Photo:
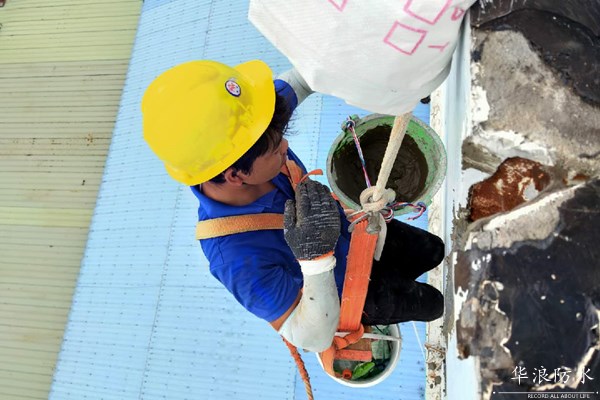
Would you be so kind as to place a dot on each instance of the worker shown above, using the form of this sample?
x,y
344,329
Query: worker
x,y
220,130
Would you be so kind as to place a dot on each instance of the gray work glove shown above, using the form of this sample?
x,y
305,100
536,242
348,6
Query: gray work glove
x,y
312,224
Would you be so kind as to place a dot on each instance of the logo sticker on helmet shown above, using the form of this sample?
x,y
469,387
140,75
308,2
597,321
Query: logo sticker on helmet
x,y
233,88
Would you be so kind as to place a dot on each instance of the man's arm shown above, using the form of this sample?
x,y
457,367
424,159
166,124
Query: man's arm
x,y
311,229
297,83
279,321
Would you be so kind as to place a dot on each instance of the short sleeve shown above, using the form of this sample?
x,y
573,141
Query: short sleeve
x,y
286,91
265,289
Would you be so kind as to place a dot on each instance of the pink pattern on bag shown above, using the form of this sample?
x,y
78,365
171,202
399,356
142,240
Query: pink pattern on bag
x,y
457,13
430,19
404,34
441,48
339,4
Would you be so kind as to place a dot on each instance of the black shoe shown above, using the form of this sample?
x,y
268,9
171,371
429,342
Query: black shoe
x,y
402,300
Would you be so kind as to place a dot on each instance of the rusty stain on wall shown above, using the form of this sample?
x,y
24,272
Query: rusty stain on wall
x,y
516,181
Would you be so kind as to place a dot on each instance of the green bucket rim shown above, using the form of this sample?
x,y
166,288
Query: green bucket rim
x,y
425,137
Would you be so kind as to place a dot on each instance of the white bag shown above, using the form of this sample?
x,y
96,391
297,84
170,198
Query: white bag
x,y
382,56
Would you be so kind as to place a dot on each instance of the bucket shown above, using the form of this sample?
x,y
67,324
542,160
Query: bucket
x,y
395,347
418,171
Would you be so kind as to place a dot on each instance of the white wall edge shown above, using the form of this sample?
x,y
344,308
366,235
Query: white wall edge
x,y
448,377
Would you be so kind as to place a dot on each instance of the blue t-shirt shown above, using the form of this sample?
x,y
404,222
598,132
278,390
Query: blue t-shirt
x,y
258,267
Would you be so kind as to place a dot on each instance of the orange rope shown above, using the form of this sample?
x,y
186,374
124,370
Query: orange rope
x,y
301,368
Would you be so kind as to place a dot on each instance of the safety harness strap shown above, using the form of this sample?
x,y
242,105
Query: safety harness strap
x,y
356,282
358,270
224,226
217,227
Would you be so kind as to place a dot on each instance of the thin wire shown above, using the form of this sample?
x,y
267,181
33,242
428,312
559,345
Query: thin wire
x,y
350,126
420,208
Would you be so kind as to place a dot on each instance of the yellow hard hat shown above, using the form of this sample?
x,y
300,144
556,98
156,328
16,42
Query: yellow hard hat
x,y
201,116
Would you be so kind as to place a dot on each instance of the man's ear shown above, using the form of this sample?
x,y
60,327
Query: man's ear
x,y
232,177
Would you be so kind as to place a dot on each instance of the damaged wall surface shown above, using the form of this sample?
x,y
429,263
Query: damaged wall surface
x,y
526,245
532,277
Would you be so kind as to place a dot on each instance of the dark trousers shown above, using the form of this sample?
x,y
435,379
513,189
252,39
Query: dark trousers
x,y
393,295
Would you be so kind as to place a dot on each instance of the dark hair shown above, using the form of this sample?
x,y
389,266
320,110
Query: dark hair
x,y
268,141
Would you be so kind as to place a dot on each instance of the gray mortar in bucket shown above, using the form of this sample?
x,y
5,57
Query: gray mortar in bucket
x,y
418,171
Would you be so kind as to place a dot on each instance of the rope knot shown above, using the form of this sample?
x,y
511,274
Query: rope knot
x,y
373,200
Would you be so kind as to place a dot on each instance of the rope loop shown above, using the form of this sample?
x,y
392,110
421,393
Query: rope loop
x,y
372,200
385,206
349,123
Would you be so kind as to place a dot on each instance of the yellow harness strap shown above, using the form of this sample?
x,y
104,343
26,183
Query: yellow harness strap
x,y
218,227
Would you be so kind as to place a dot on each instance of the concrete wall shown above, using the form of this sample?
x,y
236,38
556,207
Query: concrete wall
x,y
521,116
